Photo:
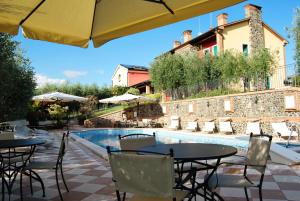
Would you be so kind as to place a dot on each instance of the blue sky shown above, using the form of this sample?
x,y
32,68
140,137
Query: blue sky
x,y
58,63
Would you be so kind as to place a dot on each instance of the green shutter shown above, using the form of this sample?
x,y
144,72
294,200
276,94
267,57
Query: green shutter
x,y
215,50
245,49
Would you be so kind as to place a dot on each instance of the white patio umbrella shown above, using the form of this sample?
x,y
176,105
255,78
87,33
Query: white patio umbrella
x,y
76,22
58,96
126,98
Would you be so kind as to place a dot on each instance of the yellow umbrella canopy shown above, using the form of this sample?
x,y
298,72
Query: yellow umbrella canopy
x,y
75,22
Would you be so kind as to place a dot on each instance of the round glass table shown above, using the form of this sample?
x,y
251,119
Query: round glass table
x,y
14,158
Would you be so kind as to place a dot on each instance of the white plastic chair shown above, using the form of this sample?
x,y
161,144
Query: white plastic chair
x,y
282,130
192,126
209,127
225,127
253,127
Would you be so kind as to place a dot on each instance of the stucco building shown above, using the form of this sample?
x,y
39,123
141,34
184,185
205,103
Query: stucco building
x,y
132,76
246,35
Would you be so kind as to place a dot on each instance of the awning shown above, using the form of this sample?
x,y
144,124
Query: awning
x,y
75,22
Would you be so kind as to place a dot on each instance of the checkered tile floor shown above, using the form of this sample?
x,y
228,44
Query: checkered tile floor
x,y
89,179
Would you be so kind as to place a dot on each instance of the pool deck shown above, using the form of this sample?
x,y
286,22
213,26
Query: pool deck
x,y
89,179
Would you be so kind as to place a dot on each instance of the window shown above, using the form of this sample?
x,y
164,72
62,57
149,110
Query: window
x,y
119,78
245,49
215,50
206,51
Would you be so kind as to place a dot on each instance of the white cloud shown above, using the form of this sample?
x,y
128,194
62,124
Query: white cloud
x,y
41,80
74,74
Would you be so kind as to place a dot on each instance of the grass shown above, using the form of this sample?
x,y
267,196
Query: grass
x,y
103,111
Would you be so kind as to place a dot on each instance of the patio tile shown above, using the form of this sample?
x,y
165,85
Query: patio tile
x,y
77,171
89,179
292,195
268,194
233,192
83,178
89,188
286,178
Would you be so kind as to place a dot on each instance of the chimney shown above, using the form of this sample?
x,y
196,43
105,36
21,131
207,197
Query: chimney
x,y
251,9
222,19
176,43
256,34
187,35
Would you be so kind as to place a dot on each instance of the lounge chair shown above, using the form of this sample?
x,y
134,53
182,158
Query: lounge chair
x,y
256,159
281,130
225,127
253,127
209,127
174,125
148,177
192,126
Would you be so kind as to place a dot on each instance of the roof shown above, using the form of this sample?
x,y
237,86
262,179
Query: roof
x,y
134,67
130,67
141,83
213,30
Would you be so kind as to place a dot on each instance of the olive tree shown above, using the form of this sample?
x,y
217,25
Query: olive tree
x,y
167,72
17,81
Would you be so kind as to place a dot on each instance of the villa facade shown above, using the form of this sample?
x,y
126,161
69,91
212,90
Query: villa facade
x,y
246,35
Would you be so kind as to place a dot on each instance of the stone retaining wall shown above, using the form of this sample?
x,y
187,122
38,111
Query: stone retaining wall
x,y
265,106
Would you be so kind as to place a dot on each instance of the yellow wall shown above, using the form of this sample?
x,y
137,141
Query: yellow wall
x,y
236,35
276,46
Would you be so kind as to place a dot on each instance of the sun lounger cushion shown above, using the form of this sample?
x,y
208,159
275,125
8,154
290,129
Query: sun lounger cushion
x,y
192,126
209,127
253,127
281,129
225,127
174,123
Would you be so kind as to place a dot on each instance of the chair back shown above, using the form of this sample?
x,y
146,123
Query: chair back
x,y
253,127
62,149
143,174
209,126
281,128
225,126
192,124
258,152
136,141
5,135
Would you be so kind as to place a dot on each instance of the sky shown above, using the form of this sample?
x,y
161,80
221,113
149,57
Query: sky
x,y
56,63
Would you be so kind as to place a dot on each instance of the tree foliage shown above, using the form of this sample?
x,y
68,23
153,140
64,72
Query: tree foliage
x,y
88,106
169,72
17,80
58,112
294,32
78,89
133,91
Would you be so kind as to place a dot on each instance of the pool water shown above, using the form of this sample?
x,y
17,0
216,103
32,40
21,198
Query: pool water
x,y
291,145
109,137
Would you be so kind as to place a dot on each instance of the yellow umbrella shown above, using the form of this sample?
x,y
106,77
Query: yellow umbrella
x,y
75,22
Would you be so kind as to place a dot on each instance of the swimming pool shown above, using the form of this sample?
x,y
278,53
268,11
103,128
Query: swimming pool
x,y
109,137
290,145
